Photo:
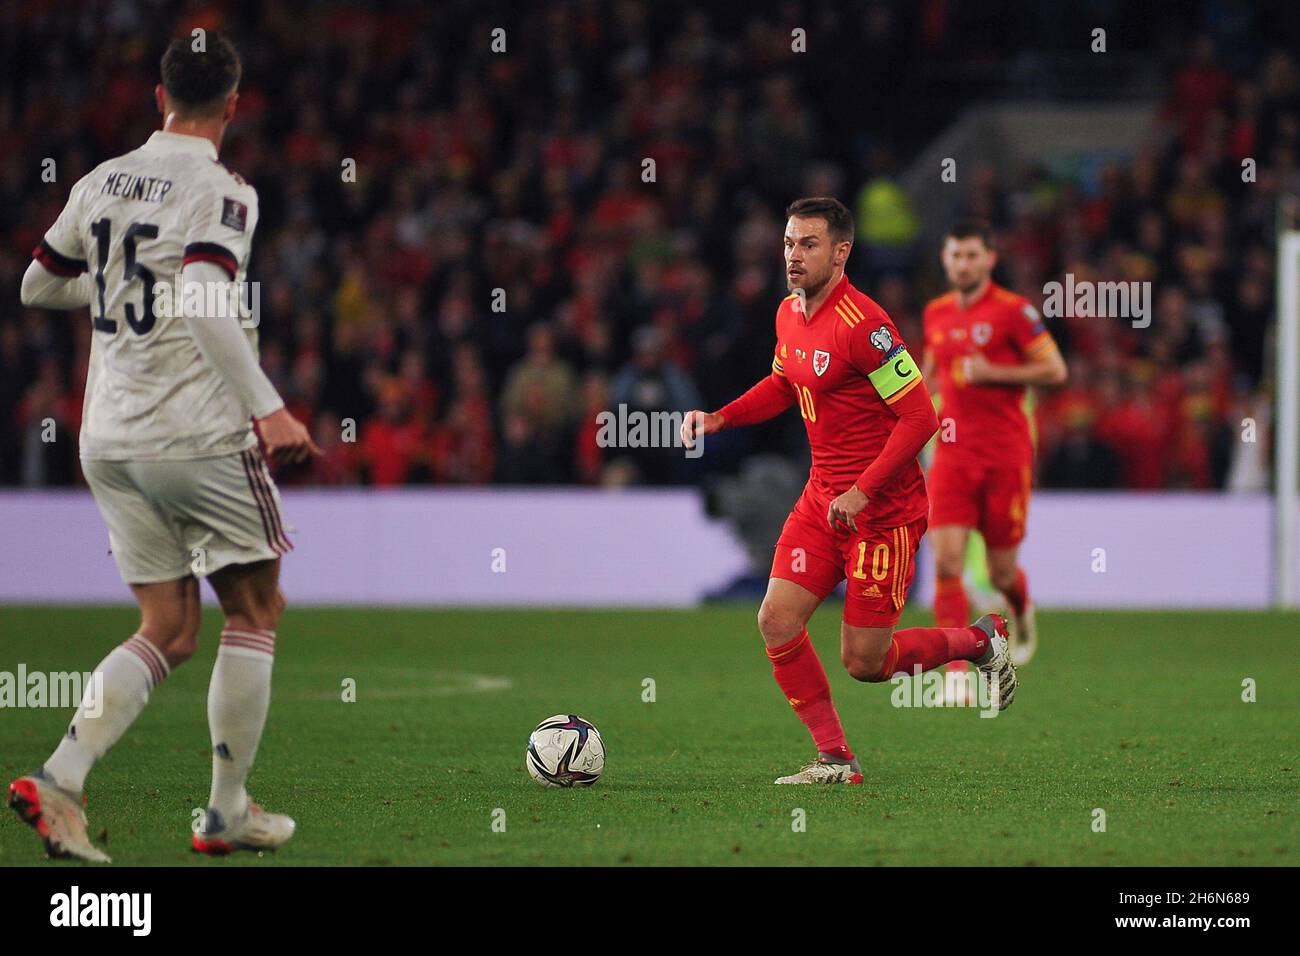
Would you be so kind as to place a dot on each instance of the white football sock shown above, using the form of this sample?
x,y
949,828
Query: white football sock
x,y
118,692
238,699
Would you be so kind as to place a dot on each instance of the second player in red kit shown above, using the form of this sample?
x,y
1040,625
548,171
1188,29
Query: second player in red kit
x,y
867,412
987,345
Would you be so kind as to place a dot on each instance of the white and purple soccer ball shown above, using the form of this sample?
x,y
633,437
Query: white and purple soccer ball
x,y
565,751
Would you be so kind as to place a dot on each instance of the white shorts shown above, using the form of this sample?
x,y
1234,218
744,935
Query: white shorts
x,y
170,519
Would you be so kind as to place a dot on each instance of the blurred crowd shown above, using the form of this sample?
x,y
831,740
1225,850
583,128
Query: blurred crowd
x,y
499,271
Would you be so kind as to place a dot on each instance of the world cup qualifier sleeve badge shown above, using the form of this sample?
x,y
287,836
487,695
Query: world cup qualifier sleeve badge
x,y
234,214
882,340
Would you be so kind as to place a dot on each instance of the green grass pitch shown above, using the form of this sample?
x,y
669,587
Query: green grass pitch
x,y
1138,714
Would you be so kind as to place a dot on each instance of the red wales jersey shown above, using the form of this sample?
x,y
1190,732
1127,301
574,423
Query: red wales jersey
x,y
847,366
1008,330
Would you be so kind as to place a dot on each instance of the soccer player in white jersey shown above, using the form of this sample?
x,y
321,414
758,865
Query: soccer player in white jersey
x,y
168,448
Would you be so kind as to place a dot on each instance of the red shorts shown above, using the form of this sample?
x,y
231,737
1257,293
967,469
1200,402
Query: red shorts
x,y
992,497
879,563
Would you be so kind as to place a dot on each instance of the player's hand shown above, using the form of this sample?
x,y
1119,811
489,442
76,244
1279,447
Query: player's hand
x,y
697,422
286,439
845,508
977,370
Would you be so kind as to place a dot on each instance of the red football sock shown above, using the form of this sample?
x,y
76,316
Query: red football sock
x,y
930,647
1018,594
799,672
951,607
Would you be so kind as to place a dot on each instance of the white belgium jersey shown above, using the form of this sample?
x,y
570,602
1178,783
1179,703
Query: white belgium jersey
x,y
133,222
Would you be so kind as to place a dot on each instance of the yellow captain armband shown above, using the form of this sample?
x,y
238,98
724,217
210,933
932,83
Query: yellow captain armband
x,y
897,376
1040,346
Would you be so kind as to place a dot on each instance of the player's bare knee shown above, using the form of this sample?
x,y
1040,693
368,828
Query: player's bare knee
x,y
777,626
864,666
182,648
949,565
254,617
278,604
863,652
175,635
259,611
861,670
1002,578
269,610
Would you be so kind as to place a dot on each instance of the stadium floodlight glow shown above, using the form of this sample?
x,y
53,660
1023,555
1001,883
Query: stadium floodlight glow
x,y
1287,445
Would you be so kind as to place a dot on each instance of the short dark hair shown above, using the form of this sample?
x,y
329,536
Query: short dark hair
x,y
839,221
970,229
199,81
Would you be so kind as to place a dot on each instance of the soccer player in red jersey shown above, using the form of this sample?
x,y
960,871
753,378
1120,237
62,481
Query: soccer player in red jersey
x,y
861,515
987,344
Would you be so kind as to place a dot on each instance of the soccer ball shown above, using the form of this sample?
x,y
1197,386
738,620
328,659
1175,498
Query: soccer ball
x,y
565,751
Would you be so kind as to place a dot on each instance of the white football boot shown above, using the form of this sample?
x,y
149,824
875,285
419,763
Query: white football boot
x,y
256,830
57,817
996,665
827,769
1024,638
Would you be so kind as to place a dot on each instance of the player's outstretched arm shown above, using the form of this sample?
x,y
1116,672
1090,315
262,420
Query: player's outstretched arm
x,y
286,439
769,398
927,365
43,289
697,423
223,344
1047,369
56,278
